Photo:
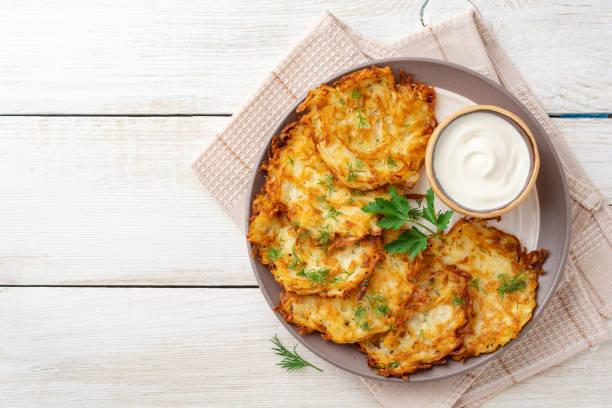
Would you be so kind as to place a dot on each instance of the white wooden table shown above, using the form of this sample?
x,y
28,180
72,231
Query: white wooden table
x,y
122,282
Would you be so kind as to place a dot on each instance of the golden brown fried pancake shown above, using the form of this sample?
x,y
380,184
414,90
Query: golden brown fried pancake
x,y
310,195
503,286
307,265
432,324
373,309
369,130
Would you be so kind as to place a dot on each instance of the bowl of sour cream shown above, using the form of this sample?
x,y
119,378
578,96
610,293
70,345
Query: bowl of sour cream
x,y
482,161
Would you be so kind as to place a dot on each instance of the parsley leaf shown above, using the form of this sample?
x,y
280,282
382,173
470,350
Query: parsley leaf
x,y
440,220
412,241
397,210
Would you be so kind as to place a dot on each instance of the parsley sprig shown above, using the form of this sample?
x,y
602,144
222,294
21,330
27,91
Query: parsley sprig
x,y
291,361
397,212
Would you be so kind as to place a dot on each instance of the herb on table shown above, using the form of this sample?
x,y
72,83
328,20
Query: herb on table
x,y
475,283
291,361
518,282
457,300
274,254
352,171
397,212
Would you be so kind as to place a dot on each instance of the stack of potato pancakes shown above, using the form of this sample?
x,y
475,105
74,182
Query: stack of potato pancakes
x,y
469,292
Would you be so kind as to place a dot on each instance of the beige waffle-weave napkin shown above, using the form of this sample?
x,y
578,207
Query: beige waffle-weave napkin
x,y
574,320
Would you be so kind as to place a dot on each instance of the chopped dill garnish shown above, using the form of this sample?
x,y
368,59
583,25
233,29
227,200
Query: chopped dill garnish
x,y
316,276
296,264
421,335
323,237
518,282
355,94
395,364
457,300
274,254
332,213
291,361
328,182
475,283
291,160
352,171
373,305
363,121
391,162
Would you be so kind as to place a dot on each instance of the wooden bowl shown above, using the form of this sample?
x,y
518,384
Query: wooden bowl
x,y
533,153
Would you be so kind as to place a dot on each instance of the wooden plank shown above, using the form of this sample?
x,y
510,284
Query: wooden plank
x,y
61,56
106,347
113,201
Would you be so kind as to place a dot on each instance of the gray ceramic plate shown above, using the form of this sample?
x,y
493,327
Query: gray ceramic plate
x,y
552,192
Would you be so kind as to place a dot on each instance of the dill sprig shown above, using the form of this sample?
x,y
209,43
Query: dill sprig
x,y
323,237
355,94
315,276
373,304
518,282
475,283
296,264
328,183
332,213
291,361
457,300
352,171
274,253
363,121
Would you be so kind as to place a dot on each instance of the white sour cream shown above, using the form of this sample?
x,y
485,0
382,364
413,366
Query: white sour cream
x,y
481,161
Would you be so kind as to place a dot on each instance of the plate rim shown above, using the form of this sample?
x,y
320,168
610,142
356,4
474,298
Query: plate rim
x,y
483,358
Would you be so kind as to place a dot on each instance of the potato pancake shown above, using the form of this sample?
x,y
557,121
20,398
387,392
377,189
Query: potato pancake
x,y
366,312
433,327
369,130
310,194
304,264
503,286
